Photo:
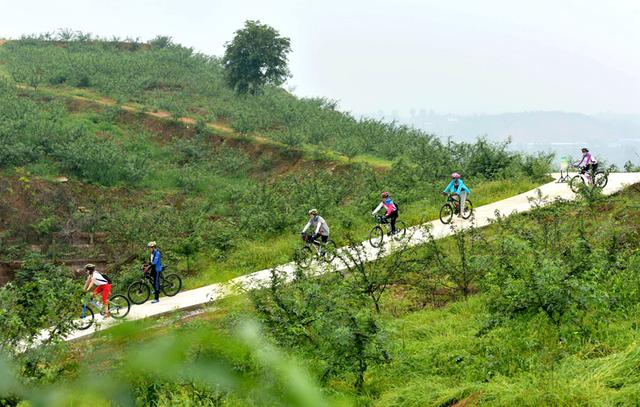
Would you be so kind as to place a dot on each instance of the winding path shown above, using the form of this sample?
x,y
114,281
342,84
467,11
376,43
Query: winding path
x,y
199,297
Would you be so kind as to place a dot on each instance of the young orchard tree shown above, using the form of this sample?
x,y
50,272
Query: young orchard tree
x,y
256,56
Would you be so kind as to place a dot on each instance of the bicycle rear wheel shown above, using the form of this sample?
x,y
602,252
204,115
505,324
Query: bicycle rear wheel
x,y
600,179
446,213
119,306
85,320
171,285
575,183
468,209
376,236
139,292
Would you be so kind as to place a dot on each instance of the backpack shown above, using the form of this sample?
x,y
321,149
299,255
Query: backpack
x,y
106,277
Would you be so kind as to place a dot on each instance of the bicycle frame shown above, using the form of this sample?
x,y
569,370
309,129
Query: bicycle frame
x,y
90,300
316,243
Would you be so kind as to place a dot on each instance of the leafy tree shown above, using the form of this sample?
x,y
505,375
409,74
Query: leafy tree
x,y
256,56
42,296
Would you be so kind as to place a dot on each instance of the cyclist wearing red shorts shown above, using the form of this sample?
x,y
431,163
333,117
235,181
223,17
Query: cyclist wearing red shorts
x,y
103,286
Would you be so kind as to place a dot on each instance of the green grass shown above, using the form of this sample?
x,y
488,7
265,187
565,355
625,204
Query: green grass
x,y
438,357
261,251
269,252
439,360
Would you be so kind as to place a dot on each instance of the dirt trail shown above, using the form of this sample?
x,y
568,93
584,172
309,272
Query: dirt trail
x,y
483,216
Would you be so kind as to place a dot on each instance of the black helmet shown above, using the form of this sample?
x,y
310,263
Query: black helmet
x,y
585,150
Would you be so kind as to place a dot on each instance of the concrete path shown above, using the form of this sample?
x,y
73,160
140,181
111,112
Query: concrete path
x,y
483,215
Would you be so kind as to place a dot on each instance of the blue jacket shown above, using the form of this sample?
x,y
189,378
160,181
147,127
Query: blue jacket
x,y
451,188
156,260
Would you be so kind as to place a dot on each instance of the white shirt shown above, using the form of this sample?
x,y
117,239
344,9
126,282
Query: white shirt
x,y
319,224
97,279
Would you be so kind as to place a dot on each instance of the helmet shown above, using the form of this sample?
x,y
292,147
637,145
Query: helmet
x,y
151,244
89,267
455,175
313,212
384,194
585,150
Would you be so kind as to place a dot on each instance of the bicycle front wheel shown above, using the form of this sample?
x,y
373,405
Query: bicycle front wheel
x,y
305,257
330,251
575,183
446,213
119,306
85,320
376,236
171,285
139,292
600,179
468,209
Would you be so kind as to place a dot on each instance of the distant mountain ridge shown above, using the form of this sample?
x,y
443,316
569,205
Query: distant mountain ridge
x,y
616,137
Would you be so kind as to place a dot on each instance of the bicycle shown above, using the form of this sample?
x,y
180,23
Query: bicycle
x,y
140,291
597,179
119,308
315,249
376,235
452,207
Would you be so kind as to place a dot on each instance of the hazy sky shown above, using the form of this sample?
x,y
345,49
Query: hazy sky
x,y
450,56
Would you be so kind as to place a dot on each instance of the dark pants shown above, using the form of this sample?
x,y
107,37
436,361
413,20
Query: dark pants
x,y
590,167
308,239
155,275
393,217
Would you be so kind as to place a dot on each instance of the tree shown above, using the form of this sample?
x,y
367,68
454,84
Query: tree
x,y
42,297
256,56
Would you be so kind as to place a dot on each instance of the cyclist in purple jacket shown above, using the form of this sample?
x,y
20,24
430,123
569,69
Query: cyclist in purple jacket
x,y
587,162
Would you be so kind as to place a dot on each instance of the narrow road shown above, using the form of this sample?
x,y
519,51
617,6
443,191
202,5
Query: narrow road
x,y
483,215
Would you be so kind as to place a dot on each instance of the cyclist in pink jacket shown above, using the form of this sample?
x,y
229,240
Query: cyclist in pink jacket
x,y
391,210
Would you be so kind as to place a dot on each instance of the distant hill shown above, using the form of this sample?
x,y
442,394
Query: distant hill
x,y
615,137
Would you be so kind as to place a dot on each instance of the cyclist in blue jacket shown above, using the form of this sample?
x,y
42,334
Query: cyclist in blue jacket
x,y
155,267
457,187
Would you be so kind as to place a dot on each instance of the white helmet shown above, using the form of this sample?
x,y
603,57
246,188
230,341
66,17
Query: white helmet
x,y
151,244
313,212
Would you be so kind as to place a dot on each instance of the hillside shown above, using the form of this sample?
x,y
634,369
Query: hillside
x,y
105,145
156,147
537,309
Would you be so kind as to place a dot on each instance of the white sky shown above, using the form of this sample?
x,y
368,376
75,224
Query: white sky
x,y
450,56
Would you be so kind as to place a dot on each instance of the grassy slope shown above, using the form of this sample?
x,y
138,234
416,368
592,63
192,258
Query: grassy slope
x,y
250,255
438,358
309,152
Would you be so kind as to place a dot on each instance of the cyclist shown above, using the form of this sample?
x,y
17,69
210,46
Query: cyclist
x,y
102,286
391,210
587,163
457,187
318,225
155,266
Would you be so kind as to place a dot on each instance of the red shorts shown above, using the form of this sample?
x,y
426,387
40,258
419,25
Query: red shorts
x,y
105,289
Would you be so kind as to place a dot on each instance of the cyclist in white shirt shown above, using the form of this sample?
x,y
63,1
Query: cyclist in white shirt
x,y
102,285
318,225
